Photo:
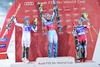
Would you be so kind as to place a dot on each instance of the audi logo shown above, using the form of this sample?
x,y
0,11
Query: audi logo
x,y
28,3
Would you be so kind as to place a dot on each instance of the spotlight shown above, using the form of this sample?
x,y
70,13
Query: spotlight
x,y
10,3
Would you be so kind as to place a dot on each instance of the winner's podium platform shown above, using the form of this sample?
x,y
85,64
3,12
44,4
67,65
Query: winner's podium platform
x,y
55,62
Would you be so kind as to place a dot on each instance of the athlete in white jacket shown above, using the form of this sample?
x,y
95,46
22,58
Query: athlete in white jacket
x,y
26,34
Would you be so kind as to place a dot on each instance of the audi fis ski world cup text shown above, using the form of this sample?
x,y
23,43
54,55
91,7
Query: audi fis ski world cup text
x,y
30,3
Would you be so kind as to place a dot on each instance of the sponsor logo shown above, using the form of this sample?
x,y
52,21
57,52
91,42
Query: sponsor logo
x,y
52,63
4,39
28,3
2,45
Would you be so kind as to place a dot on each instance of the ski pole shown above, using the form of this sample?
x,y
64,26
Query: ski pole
x,y
95,30
88,22
91,35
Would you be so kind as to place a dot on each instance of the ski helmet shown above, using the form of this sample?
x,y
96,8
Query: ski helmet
x,y
26,18
48,16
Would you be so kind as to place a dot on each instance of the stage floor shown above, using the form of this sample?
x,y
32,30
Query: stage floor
x,y
11,60
88,63
11,54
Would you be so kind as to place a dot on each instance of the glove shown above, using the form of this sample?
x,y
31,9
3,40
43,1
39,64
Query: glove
x,y
35,23
13,17
41,4
35,20
60,29
85,15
